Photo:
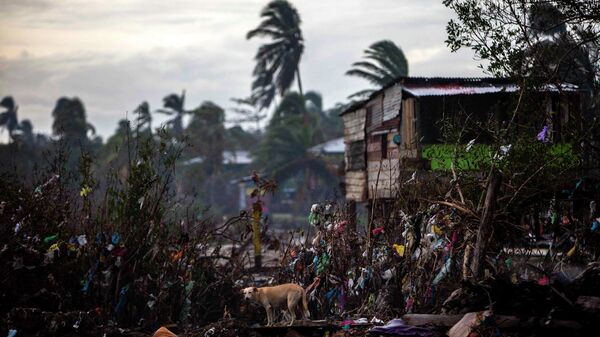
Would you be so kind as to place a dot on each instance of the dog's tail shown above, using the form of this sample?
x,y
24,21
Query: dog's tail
x,y
305,305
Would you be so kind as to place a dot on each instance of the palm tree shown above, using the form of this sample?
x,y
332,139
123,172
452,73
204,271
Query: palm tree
x,y
248,112
70,120
285,151
307,109
8,119
144,118
277,62
384,62
26,129
293,130
175,105
206,133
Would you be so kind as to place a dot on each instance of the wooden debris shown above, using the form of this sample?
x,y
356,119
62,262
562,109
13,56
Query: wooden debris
x,y
589,304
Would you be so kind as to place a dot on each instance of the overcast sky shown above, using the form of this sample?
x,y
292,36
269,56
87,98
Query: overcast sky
x,y
115,54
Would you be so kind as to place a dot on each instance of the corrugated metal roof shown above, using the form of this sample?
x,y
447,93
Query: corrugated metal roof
x,y
446,86
469,89
450,90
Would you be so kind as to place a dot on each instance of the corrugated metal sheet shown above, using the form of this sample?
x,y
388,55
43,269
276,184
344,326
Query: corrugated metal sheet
x,y
466,82
451,90
480,89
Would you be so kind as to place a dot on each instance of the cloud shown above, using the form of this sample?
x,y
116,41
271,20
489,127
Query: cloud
x,y
114,56
112,86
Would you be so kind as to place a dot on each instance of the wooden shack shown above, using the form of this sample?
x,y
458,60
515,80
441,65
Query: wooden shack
x,y
387,134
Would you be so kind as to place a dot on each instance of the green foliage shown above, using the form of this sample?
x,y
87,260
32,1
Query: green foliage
x,y
544,41
159,262
135,197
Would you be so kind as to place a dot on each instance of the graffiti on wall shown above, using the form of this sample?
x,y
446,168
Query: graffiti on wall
x,y
480,156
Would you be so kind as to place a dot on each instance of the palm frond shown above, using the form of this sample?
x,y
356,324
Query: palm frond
x,y
384,62
366,75
276,61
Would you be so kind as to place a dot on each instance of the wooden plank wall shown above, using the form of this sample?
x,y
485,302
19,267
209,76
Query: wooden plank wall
x,y
409,146
375,112
383,170
392,100
354,131
386,185
356,185
354,126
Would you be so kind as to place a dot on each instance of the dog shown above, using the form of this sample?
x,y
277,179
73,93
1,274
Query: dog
x,y
272,298
164,332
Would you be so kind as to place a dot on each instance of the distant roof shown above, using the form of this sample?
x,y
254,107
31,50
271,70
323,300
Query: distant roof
x,y
229,158
329,147
237,157
449,86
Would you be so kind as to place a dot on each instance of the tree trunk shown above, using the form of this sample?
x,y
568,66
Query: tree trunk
x,y
299,81
485,224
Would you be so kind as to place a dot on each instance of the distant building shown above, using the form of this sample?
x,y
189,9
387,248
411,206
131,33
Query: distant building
x,y
394,131
329,148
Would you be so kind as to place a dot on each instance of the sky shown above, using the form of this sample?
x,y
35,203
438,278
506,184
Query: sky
x,y
115,54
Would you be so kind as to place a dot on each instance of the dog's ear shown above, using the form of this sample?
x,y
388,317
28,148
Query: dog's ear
x,y
254,289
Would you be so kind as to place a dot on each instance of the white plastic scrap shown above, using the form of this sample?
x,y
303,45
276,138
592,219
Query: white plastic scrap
x,y
209,332
504,149
412,178
152,301
388,274
82,240
76,324
470,145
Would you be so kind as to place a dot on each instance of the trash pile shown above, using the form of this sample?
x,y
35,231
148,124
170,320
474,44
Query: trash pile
x,y
65,275
419,263
385,273
72,273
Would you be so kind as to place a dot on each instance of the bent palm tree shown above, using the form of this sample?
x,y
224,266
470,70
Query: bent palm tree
x,y
144,118
384,62
277,62
70,120
8,119
175,105
285,151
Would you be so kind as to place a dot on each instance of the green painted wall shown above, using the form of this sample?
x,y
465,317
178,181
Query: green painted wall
x,y
480,155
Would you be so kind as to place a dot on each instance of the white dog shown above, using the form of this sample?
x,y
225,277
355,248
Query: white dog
x,y
273,297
